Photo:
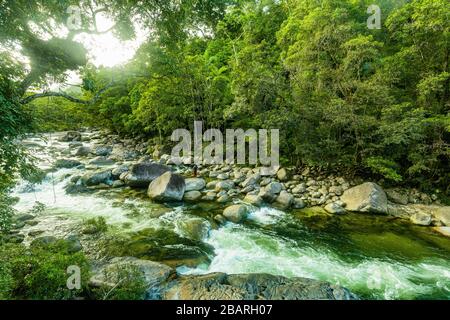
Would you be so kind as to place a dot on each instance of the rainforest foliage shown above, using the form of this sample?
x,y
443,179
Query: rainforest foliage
x,y
344,96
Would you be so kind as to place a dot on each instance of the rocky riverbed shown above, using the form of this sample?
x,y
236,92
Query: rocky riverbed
x,y
233,232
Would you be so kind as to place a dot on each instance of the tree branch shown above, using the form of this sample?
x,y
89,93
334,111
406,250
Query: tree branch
x,y
28,99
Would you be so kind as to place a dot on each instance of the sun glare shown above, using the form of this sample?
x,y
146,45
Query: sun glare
x,y
105,49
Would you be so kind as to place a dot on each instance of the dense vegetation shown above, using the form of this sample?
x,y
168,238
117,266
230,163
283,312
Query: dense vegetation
x,y
345,96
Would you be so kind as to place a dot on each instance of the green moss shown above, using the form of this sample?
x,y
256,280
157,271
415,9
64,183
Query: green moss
x,y
94,226
162,245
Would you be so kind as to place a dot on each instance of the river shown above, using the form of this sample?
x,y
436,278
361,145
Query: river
x,y
375,257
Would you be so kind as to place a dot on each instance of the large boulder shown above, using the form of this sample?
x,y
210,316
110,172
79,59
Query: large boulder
x,y
443,215
367,197
236,213
95,178
167,187
220,286
195,184
141,174
118,269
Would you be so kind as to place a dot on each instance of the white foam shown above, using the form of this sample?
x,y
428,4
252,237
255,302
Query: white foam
x,y
265,215
242,250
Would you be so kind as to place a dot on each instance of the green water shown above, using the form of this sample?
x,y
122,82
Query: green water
x,y
376,257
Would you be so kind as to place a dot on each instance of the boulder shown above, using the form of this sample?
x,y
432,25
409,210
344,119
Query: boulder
x,y
445,231
220,286
397,196
66,163
24,217
167,187
192,195
301,188
224,198
118,184
224,185
95,178
220,219
298,203
223,176
71,136
101,161
439,214
252,180
367,197
43,241
268,171
75,144
270,192
114,272
195,228
443,215
337,190
334,208
116,172
141,174
211,185
285,199
82,152
283,174
236,213
254,200
73,243
103,151
421,218
195,184
274,187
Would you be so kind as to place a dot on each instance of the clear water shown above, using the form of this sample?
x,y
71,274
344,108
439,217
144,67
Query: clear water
x,y
373,256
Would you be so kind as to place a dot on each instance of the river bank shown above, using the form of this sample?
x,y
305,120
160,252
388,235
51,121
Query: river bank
x,y
292,225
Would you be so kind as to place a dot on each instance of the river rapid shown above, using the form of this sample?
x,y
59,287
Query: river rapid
x,y
372,256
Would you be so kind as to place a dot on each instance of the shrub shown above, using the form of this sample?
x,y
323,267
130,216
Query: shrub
x,y
94,226
40,272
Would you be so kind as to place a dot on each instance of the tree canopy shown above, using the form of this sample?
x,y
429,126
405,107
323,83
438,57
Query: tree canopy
x,y
345,96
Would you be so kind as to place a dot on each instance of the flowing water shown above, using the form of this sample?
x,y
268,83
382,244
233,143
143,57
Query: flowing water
x,y
376,257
